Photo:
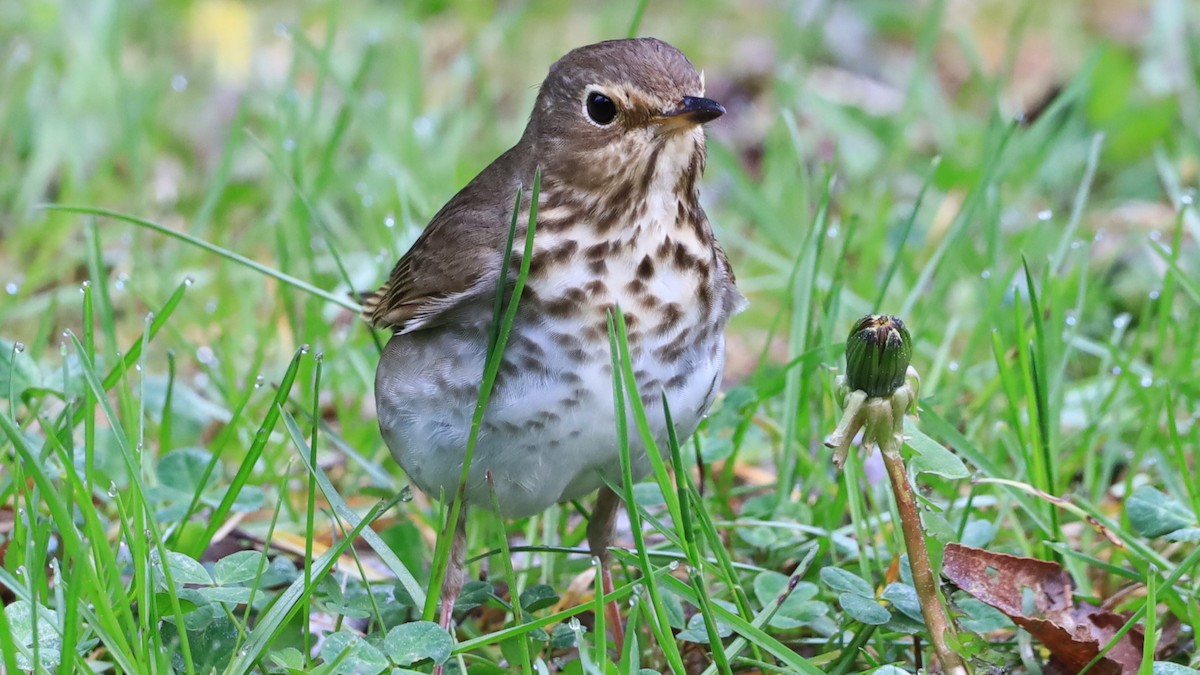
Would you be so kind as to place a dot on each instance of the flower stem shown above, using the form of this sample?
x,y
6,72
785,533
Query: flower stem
x,y
918,557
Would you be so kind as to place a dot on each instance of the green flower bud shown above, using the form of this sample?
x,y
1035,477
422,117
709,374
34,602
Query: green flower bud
x,y
877,355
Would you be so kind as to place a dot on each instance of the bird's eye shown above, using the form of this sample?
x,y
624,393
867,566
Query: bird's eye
x,y
601,108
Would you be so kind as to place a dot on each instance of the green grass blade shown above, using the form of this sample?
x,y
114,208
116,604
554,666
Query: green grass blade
x,y
212,248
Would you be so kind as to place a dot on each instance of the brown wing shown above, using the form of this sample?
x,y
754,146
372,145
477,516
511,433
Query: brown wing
x,y
457,258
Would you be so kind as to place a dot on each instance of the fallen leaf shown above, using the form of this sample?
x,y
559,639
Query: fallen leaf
x,y
1039,597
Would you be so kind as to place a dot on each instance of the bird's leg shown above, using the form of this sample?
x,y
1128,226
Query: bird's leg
x,y
456,570
600,532
456,576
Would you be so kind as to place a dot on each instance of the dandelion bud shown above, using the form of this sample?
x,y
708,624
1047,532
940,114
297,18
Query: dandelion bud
x,y
877,355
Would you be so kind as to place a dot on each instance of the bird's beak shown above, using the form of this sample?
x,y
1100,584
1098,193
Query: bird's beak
x,y
695,110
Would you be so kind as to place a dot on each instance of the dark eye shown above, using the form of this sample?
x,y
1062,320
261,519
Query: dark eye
x,y
601,108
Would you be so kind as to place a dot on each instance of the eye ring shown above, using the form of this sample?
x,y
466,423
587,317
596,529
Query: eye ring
x,y
600,109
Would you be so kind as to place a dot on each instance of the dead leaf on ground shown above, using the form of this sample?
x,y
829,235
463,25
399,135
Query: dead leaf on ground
x,y
1039,597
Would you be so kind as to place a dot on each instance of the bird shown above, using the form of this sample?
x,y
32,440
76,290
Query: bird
x,y
617,138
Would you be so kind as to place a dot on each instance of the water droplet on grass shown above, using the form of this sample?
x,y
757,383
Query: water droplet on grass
x,y
179,82
304,348
1116,370
12,287
952,366
1121,321
1146,382
289,144
205,355
188,280
1045,214
258,382
986,274
18,347
389,221
406,493
112,489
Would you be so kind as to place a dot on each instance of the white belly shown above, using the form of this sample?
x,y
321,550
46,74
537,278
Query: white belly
x,y
549,432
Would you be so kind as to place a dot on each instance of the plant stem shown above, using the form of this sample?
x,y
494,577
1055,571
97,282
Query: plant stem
x,y
918,557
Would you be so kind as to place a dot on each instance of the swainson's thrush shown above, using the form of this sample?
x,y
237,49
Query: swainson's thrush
x,y
616,132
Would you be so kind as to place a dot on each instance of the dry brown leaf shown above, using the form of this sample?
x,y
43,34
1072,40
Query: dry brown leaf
x,y
1039,597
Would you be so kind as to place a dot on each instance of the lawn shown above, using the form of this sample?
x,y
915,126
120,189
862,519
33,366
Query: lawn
x,y
191,474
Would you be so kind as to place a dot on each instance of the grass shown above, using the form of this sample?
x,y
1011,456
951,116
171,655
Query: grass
x,y
190,192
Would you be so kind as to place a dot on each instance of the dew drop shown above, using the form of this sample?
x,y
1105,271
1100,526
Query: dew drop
x,y
952,366
986,274
320,357
1116,370
205,355
574,624
120,281
832,232
304,348
1076,245
150,316
289,144
389,221
423,127
147,534
210,307
1070,321
1154,294
281,30
18,347
21,511
673,565
1098,236
112,489
258,382
179,82
406,493
137,367
1121,321
1186,199
12,287
85,286
20,570
1045,214
1146,382
188,280
1154,235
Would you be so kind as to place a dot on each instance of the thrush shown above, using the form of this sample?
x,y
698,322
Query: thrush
x,y
616,133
